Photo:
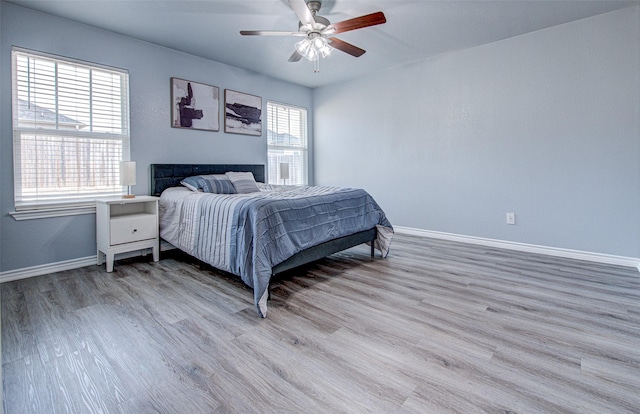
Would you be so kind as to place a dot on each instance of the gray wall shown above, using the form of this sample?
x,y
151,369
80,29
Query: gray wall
x,y
545,125
35,242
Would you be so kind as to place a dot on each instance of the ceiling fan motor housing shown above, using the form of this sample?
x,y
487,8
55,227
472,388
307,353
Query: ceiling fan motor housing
x,y
320,24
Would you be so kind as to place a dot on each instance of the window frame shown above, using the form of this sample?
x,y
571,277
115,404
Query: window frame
x,y
75,201
304,129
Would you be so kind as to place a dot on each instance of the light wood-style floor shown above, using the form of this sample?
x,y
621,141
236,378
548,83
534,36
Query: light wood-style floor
x,y
437,327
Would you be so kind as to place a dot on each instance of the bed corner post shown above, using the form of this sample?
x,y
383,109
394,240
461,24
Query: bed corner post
x,y
373,243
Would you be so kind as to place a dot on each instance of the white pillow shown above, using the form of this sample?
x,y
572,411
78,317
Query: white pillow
x,y
243,182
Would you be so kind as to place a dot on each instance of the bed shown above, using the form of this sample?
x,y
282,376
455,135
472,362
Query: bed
x,y
258,235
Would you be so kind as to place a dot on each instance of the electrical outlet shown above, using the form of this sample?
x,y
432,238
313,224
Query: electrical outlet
x,y
511,218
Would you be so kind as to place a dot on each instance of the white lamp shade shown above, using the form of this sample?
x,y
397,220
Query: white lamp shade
x,y
128,173
284,170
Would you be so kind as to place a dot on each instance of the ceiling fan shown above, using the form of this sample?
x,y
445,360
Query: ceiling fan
x,y
318,32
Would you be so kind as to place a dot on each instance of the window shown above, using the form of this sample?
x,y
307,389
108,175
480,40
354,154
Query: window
x,y
70,130
287,143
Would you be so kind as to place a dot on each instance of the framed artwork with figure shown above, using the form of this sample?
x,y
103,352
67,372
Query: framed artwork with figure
x,y
194,105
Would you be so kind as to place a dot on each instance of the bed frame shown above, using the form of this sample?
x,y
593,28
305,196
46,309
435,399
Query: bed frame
x,y
169,175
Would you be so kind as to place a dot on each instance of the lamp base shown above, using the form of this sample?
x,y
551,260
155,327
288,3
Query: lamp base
x,y
129,196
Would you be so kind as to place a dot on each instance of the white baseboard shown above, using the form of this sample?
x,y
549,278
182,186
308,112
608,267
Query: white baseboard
x,y
45,269
523,247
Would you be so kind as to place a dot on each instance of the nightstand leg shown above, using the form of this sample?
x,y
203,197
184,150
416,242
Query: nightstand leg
x,y
100,258
110,258
156,253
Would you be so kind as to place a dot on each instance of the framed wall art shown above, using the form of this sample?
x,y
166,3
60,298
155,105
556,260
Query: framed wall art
x,y
194,105
243,113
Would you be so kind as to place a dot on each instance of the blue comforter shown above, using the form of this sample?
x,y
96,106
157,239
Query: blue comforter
x,y
248,234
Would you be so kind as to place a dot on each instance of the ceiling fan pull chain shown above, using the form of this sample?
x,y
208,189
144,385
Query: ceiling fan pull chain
x,y
316,65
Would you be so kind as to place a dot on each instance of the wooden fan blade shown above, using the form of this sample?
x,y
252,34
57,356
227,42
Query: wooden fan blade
x,y
295,57
302,11
269,33
346,47
356,23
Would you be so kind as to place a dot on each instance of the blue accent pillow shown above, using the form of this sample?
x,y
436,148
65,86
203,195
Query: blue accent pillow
x,y
215,183
191,183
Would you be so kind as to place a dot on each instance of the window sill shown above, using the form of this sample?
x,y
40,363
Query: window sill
x,y
53,211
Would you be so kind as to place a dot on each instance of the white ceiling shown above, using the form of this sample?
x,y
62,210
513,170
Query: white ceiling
x,y
414,30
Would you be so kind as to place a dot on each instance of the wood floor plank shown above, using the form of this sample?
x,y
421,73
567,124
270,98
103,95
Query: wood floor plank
x,y
18,338
26,386
438,327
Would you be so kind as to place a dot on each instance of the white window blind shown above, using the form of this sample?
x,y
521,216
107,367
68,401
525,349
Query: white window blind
x,y
287,143
70,130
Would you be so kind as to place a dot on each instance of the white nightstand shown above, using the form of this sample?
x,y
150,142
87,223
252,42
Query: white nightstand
x,y
125,225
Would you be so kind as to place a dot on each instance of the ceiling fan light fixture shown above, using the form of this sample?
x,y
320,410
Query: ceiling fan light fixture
x,y
305,48
313,47
322,46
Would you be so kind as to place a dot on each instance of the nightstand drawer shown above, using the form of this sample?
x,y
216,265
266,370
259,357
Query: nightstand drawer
x,y
133,227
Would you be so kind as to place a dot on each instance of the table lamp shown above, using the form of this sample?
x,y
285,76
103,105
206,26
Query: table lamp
x,y
284,171
128,176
